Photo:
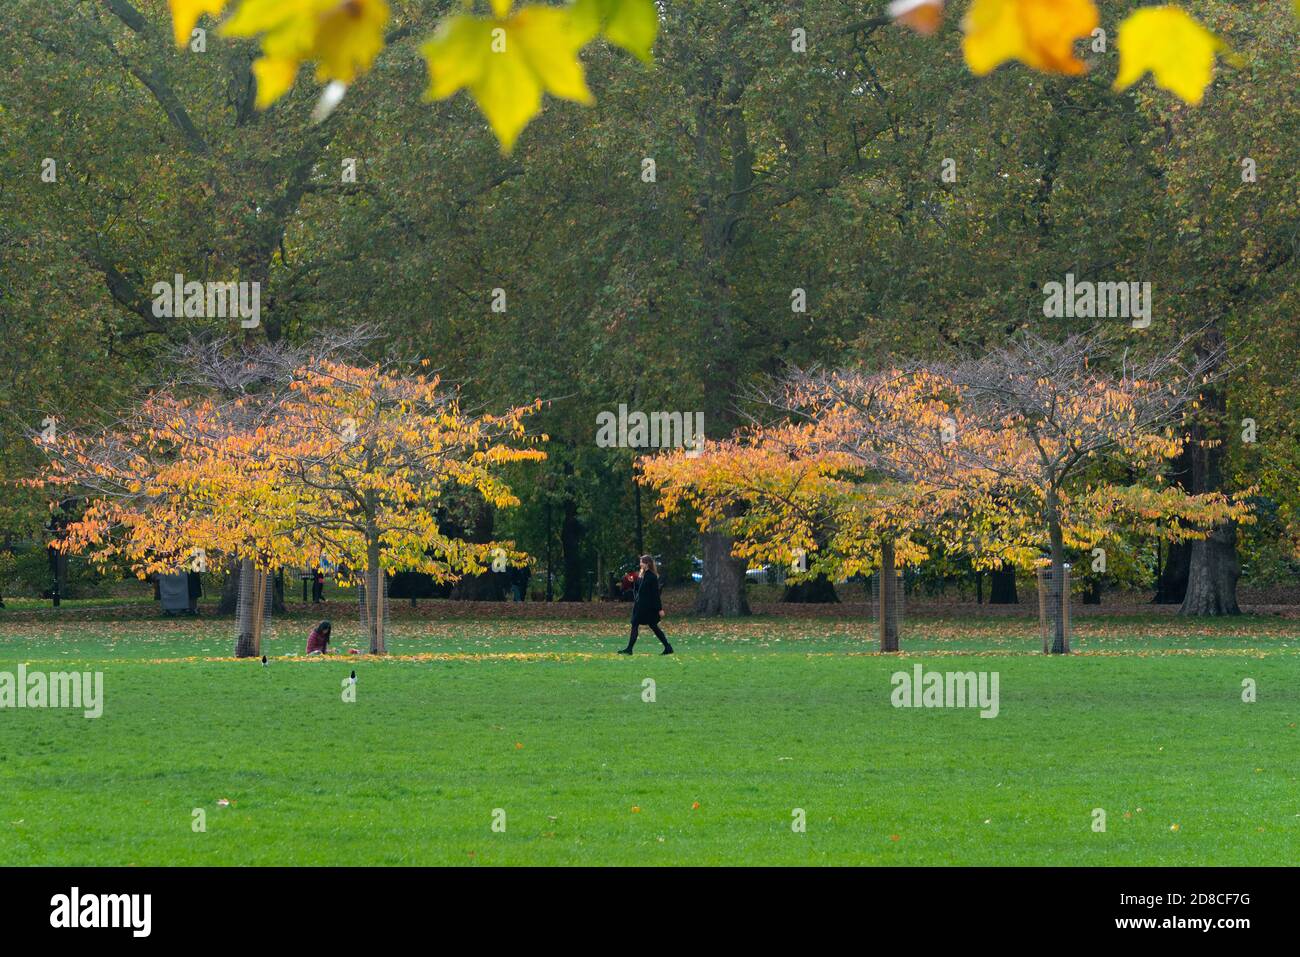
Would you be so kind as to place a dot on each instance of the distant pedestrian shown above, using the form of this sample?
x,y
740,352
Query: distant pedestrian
x,y
317,587
647,608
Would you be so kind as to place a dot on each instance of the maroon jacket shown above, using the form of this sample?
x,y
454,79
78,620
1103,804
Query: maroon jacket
x,y
317,641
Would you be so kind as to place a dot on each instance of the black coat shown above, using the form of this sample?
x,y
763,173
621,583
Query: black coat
x,y
646,605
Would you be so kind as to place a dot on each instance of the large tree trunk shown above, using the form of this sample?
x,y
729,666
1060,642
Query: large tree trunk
x,y
1213,566
1212,579
1002,585
724,160
571,548
1171,585
888,598
722,581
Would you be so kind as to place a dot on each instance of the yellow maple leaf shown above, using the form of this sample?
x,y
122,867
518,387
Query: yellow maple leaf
x,y
186,13
1038,33
506,62
274,78
342,37
630,24
1177,50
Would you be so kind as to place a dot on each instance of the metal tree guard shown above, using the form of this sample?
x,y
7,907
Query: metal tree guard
x,y
253,609
1054,609
372,625
887,609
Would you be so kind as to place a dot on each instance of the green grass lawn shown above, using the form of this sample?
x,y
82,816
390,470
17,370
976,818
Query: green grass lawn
x,y
751,720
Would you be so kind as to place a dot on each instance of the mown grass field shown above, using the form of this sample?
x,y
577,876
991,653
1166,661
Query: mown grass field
x,y
751,720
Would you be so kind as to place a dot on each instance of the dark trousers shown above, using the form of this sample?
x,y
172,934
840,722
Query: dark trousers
x,y
653,626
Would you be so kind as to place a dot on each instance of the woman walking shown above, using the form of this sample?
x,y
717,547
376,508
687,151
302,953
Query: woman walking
x,y
646,606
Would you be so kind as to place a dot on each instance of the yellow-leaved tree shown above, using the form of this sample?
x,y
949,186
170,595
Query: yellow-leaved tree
x,y
367,455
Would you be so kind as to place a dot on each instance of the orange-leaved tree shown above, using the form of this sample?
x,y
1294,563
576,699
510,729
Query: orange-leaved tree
x,y
1003,457
275,456
172,484
1037,419
786,496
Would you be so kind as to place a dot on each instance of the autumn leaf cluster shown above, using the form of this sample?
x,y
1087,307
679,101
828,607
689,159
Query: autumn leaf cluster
x,y
924,456
510,55
345,462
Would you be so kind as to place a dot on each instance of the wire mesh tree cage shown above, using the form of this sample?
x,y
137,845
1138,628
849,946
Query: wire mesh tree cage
x,y
1054,609
253,609
373,625
887,607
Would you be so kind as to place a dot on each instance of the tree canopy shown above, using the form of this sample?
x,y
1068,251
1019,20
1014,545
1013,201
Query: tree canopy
x,y
786,184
